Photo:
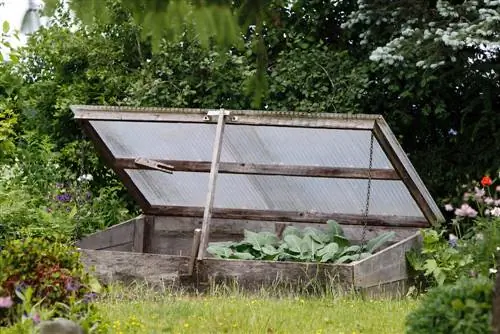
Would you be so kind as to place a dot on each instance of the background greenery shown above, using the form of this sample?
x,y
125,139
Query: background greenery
x,y
429,67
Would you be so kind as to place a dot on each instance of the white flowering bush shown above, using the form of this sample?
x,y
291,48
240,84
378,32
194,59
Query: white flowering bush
x,y
434,36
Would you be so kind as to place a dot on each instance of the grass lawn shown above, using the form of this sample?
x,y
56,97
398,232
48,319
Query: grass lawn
x,y
239,313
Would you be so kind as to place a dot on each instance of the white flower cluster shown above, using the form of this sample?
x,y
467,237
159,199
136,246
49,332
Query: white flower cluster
x,y
469,24
85,177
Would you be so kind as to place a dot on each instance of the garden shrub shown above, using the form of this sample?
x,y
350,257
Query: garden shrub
x,y
469,244
37,274
463,307
41,198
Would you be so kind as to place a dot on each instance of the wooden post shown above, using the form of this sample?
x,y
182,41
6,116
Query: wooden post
x,y
495,323
214,169
138,241
194,250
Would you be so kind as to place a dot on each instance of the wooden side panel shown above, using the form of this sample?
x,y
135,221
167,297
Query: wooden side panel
x,y
174,235
112,266
392,290
114,236
388,265
255,274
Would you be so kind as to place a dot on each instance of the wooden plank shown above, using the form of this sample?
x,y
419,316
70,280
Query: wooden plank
x,y
109,159
407,173
255,274
194,251
306,122
388,265
115,235
174,235
182,227
290,216
148,234
268,169
125,247
247,117
138,245
112,266
207,212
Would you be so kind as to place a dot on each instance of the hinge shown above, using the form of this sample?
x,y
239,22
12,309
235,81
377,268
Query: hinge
x,y
155,165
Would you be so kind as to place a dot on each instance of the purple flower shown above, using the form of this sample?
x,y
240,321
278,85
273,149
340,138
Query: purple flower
x,y
63,197
89,297
452,240
6,302
72,285
88,195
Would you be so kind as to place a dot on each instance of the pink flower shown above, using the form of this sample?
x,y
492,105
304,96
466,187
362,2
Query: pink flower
x,y
448,207
479,193
466,211
495,212
489,200
36,318
497,189
6,302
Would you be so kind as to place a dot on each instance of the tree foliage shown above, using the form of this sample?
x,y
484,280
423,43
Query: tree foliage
x,y
323,56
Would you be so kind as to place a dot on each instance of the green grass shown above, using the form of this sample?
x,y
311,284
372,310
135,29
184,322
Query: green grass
x,y
145,312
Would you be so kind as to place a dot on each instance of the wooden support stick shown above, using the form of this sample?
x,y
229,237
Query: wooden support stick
x,y
214,169
194,250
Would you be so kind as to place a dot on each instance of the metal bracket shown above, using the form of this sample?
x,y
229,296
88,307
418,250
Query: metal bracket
x,y
218,112
155,165
215,112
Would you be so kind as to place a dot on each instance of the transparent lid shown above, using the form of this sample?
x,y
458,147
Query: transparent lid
x,y
300,165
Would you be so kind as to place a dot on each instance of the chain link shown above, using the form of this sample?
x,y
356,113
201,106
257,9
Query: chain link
x,y
368,195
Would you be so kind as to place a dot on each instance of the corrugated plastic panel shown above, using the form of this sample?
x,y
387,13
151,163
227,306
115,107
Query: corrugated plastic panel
x,y
300,146
276,193
155,140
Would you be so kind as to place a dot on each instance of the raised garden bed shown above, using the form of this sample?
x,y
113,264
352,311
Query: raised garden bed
x,y
203,177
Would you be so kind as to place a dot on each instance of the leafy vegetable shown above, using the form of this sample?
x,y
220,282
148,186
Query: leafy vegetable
x,y
304,245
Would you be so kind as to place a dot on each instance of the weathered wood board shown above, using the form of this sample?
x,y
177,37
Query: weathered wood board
x,y
386,266
159,250
117,237
126,267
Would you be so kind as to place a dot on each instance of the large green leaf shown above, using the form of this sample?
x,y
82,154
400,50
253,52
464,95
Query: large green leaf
x,y
328,252
220,250
297,245
350,250
317,235
292,230
341,240
347,258
270,250
334,228
378,241
242,256
261,239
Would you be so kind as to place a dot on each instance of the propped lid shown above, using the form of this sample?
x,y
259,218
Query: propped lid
x,y
273,166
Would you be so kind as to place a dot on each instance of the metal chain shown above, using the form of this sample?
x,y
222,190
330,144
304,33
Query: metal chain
x,y
368,194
